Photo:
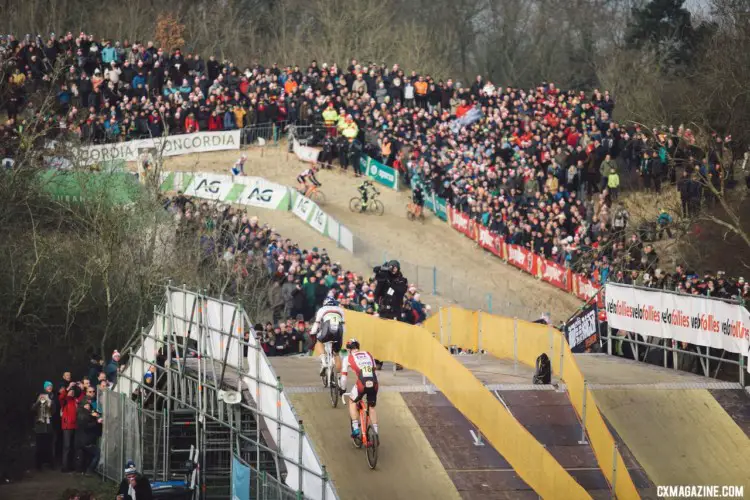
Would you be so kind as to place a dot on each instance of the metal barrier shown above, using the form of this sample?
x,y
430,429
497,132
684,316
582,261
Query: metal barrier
x,y
667,353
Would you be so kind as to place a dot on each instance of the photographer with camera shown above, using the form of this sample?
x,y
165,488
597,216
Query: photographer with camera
x,y
89,424
390,288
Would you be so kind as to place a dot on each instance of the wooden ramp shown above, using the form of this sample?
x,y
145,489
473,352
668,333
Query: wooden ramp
x,y
408,468
679,436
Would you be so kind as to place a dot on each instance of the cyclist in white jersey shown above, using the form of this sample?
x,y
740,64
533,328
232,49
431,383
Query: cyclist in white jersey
x,y
239,166
328,327
362,365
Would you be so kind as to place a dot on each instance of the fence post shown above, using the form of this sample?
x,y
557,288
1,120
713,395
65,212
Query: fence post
x,y
434,280
279,388
479,332
614,470
301,447
325,480
742,370
609,339
440,318
583,415
515,344
562,355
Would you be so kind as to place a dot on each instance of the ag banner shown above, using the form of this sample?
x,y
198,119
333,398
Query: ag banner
x,y
378,172
582,330
253,191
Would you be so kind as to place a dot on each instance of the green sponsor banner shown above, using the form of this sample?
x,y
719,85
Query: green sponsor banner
x,y
76,187
378,172
441,208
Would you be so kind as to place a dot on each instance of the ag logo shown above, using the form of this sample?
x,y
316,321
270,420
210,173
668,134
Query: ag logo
x,y
262,195
374,170
212,187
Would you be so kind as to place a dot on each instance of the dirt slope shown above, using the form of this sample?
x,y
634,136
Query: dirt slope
x,y
462,270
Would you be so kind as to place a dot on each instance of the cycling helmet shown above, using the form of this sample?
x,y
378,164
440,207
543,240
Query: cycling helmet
x,y
352,344
330,301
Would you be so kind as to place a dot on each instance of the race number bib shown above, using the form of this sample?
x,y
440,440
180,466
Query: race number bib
x,y
367,370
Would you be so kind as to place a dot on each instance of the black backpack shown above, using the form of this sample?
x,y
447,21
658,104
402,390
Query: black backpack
x,y
543,372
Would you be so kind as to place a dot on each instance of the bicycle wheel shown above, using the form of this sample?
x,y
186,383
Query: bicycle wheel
x,y
325,377
377,207
333,390
355,204
318,197
372,447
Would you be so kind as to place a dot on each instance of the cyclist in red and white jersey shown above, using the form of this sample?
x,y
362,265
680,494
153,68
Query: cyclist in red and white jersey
x,y
362,365
308,173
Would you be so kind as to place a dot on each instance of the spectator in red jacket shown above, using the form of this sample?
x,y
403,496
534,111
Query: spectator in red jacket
x,y
69,397
214,122
191,124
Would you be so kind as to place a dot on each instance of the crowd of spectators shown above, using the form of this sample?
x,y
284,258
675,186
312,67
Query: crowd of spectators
x,y
541,167
67,417
300,279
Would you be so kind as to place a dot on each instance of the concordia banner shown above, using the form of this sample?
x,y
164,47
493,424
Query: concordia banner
x,y
581,330
685,318
173,145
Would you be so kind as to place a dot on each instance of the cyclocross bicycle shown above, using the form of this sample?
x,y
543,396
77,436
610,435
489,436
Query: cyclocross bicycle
x,y
329,376
368,437
373,204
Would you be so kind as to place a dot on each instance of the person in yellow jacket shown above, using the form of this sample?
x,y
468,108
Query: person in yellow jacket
x,y
613,183
350,129
330,117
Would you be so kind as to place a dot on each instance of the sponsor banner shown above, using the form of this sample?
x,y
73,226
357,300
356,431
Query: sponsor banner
x,y
490,241
305,153
459,221
378,172
553,273
318,219
173,145
582,330
209,186
441,208
521,258
259,192
303,207
583,288
684,318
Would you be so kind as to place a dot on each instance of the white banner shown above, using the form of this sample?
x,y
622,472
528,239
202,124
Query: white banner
x,y
262,193
173,145
209,186
303,207
305,153
685,318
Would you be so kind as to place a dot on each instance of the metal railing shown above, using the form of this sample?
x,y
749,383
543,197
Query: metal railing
x,y
667,352
189,379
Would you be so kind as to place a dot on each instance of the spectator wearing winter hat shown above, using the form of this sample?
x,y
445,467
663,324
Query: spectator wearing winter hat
x,y
134,486
43,409
112,368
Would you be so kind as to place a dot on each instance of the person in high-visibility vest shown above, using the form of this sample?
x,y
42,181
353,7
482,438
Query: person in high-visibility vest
x,y
350,128
330,117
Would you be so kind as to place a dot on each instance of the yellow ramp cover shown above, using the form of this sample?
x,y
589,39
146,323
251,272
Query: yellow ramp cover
x,y
679,437
407,467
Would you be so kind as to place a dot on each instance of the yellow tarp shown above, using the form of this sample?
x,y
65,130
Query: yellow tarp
x,y
415,348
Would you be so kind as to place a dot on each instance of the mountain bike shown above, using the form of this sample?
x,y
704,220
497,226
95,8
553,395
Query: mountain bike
x,y
373,204
329,376
368,437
